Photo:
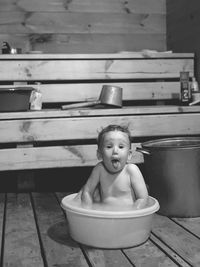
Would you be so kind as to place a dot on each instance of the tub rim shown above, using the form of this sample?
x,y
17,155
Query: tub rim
x,y
109,214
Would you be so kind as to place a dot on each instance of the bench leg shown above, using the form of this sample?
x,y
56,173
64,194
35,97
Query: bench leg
x,y
25,181
25,178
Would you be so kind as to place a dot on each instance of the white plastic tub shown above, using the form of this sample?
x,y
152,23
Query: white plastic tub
x,y
109,229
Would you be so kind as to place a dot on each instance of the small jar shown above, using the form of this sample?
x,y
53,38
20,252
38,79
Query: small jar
x,y
36,99
194,85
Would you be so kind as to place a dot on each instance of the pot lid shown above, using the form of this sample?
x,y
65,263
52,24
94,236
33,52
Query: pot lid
x,y
172,143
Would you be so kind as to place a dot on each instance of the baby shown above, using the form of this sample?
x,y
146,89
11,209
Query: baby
x,y
114,181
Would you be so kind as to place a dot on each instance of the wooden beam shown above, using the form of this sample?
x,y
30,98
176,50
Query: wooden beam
x,y
36,70
53,157
75,128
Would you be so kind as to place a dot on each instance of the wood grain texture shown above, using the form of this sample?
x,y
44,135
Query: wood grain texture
x,y
144,54
52,131
91,112
36,70
170,245
2,209
106,258
54,157
70,92
44,22
88,91
168,251
83,26
87,128
59,248
191,224
51,22
110,6
148,255
85,43
21,247
183,243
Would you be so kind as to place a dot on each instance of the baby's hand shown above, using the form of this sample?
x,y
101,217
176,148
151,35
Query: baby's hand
x,y
140,203
86,199
77,198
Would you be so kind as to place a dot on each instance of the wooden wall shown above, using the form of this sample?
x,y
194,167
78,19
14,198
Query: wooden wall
x,y
183,24
83,26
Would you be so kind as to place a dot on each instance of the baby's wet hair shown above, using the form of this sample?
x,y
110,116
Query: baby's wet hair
x,y
112,128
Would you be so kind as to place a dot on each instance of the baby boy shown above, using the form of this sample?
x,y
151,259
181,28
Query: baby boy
x,y
114,181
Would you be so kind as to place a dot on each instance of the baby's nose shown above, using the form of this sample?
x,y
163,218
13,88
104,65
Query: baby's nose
x,y
115,149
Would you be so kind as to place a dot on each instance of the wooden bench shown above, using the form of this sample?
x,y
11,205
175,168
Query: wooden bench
x,y
53,138
34,232
33,228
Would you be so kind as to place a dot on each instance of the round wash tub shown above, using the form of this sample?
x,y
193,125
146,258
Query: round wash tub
x,y
109,229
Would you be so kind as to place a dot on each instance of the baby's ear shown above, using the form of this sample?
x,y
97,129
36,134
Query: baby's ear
x,y
99,156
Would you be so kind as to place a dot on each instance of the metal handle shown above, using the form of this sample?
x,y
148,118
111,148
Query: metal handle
x,y
194,102
80,105
142,150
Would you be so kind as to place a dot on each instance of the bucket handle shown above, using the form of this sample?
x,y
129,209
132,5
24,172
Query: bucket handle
x,y
142,150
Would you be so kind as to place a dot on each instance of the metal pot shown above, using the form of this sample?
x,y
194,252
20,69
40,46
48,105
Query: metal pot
x,y
172,168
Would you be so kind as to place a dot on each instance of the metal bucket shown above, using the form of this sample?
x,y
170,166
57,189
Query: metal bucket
x,y
173,174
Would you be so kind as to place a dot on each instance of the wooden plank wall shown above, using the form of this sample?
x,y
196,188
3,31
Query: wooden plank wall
x,y
183,20
83,26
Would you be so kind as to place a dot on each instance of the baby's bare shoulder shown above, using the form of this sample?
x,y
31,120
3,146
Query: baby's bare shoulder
x,y
98,167
132,168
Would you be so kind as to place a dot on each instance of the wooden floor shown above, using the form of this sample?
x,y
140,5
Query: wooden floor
x,y
34,233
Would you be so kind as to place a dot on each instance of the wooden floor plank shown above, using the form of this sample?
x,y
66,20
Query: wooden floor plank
x,y
168,251
21,247
148,255
182,242
106,257
173,242
59,248
191,224
2,205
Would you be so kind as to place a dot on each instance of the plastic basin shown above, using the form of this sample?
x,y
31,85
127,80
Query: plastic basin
x,y
109,229
15,99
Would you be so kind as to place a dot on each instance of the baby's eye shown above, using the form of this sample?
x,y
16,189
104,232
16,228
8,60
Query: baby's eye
x,y
108,146
121,146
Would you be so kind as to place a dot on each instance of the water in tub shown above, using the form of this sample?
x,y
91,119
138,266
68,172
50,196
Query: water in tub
x,y
104,206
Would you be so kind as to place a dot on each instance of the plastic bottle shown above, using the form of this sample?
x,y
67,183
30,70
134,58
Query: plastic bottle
x,y
194,86
185,93
36,99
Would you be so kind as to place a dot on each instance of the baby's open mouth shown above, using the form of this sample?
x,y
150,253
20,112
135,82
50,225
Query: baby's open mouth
x,y
115,163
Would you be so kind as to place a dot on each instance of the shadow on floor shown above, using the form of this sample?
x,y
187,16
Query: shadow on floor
x,y
60,234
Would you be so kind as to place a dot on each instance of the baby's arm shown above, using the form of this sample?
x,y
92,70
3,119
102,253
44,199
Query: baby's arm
x,y
138,185
88,189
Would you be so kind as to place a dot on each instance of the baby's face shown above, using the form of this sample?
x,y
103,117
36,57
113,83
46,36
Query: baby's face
x,y
115,151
